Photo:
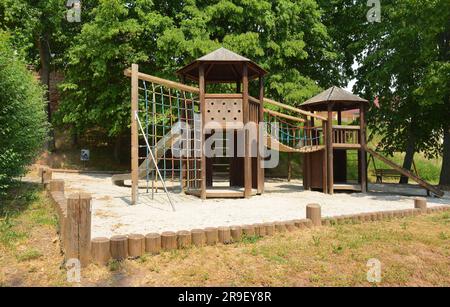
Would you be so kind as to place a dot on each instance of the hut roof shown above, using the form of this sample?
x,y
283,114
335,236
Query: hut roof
x,y
338,97
221,66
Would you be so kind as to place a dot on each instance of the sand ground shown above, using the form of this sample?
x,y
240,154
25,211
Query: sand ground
x,y
282,200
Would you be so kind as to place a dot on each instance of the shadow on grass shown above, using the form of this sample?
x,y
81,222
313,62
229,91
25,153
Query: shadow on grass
x,y
18,198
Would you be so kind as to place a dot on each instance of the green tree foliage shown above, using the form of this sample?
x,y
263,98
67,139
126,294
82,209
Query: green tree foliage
x,y
23,126
286,37
401,61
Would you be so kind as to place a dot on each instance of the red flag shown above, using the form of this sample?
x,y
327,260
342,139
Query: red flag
x,y
376,102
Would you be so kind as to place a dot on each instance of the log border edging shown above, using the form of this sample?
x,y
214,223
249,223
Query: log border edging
x,y
152,243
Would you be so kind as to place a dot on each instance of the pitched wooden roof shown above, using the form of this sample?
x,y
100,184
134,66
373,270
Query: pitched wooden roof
x,y
221,65
338,97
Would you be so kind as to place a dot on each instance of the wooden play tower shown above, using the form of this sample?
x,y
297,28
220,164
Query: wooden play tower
x,y
229,111
340,139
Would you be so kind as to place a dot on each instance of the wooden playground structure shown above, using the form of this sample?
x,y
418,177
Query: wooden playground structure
x,y
230,97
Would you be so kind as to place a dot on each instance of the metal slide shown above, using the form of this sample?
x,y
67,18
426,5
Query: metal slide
x,y
147,165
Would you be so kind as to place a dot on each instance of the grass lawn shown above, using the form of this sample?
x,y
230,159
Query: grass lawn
x,y
412,251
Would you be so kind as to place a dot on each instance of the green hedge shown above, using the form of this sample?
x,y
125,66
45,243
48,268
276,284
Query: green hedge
x,y
23,120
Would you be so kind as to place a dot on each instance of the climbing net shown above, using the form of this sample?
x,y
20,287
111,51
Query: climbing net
x,y
171,125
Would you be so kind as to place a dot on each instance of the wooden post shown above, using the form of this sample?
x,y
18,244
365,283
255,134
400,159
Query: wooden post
x,y
153,243
224,235
46,176
420,203
269,228
289,176
330,149
100,250
119,247
248,230
325,157
183,239
313,212
56,185
247,142
236,233
362,131
280,226
134,134
78,228
260,167
136,245
212,235
198,237
201,84
307,156
169,240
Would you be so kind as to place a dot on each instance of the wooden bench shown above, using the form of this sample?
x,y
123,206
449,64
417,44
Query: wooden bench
x,y
386,173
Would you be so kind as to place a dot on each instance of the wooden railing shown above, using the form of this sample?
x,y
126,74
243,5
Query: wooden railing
x,y
346,135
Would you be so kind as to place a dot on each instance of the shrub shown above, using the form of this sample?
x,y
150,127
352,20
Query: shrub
x,y
23,120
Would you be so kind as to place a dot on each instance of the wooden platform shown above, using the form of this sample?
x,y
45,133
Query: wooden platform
x,y
221,192
347,187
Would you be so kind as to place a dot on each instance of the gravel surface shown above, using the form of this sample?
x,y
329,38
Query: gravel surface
x,y
281,201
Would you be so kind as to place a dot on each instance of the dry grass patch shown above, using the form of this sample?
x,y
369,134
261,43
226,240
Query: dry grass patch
x,y
413,251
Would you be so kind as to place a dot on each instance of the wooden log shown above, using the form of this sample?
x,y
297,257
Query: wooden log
x,y
224,235
420,203
298,223
119,247
260,229
313,212
308,223
100,250
236,233
46,176
134,133
153,243
78,228
184,239
168,240
212,235
198,237
136,245
256,227
290,225
248,230
280,227
326,222
56,185
269,228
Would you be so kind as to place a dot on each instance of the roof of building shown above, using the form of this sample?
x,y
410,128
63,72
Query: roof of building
x,y
338,97
221,66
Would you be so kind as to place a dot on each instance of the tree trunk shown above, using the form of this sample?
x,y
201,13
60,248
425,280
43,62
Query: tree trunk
x,y
44,55
445,170
117,147
409,157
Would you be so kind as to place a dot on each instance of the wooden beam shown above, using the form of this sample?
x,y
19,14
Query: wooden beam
x,y
278,114
134,134
362,133
325,158
247,150
329,133
201,82
260,166
165,82
293,109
